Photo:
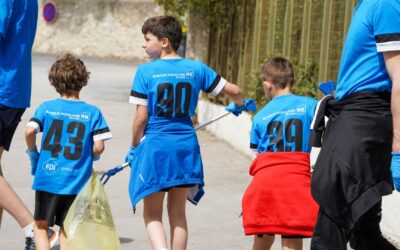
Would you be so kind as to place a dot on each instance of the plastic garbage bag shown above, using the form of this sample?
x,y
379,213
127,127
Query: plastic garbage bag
x,y
89,223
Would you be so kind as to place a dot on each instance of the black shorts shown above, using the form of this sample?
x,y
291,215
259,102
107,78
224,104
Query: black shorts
x,y
179,186
52,208
9,119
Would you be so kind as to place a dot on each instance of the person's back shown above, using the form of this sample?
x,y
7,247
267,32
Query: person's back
x,y
283,125
69,128
165,153
355,167
73,137
278,199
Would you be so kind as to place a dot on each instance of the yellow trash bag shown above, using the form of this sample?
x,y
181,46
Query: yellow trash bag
x,y
89,224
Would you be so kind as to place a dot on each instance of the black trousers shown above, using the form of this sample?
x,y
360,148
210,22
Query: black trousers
x,y
366,234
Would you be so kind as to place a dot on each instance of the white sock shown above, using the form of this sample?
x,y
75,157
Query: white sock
x,y
163,249
28,230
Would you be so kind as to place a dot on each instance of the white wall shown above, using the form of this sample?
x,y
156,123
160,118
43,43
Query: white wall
x,y
96,28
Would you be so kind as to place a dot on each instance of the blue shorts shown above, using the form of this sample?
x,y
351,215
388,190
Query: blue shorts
x,y
9,119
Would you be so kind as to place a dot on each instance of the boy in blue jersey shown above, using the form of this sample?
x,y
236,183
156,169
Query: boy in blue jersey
x,y
278,199
73,137
18,20
167,156
361,143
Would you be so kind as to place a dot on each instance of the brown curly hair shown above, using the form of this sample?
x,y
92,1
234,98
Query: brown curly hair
x,y
68,75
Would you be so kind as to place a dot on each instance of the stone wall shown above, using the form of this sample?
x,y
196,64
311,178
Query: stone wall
x,y
109,29
96,28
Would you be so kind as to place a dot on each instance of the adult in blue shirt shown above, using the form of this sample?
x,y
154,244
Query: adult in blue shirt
x,y
18,20
353,169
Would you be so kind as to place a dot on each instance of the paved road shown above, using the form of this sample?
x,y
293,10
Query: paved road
x,y
213,224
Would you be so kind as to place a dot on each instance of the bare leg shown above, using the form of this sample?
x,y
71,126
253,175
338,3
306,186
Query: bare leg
x,y
152,214
41,230
292,243
177,218
63,240
263,243
10,201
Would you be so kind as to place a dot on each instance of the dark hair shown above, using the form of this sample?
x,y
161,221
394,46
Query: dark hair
x,y
68,75
164,27
279,71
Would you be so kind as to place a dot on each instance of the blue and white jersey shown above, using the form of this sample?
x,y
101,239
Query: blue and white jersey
x,y
18,20
70,129
375,28
283,125
170,87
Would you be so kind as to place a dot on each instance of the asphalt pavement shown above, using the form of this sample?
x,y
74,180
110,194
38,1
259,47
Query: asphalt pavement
x,y
215,223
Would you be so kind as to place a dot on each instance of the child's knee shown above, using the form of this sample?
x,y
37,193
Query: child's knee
x,y
42,224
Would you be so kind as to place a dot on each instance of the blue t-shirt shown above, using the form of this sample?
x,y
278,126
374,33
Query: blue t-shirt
x,y
170,87
18,20
375,28
70,129
283,125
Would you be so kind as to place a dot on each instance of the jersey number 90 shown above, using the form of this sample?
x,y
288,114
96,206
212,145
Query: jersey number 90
x,y
172,100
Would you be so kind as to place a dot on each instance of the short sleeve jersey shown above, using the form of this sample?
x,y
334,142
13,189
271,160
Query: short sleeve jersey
x,y
170,87
18,20
283,125
70,129
375,28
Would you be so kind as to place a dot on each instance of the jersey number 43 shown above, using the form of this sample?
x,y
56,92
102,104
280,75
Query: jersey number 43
x,y
75,132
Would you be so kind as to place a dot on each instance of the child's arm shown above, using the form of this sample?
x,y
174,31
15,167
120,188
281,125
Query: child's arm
x,y
30,138
98,149
138,127
234,92
239,103
139,124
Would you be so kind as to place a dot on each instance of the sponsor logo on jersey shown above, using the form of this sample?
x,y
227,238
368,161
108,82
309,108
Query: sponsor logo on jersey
x,y
50,167
189,74
301,108
85,116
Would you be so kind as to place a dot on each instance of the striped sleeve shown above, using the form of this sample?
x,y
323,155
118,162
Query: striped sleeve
x,y
211,82
139,88
38,119
35,123
100,130
386,26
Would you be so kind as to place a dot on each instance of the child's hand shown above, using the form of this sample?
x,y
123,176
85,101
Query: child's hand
x,y
129,155
34,158
249,104
395,168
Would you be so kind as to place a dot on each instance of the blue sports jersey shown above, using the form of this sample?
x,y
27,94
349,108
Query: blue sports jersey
x,y
18,20
283,125
375,28
170,87
70,129
169,154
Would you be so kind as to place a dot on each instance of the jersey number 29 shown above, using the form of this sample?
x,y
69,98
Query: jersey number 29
x,y
290,135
